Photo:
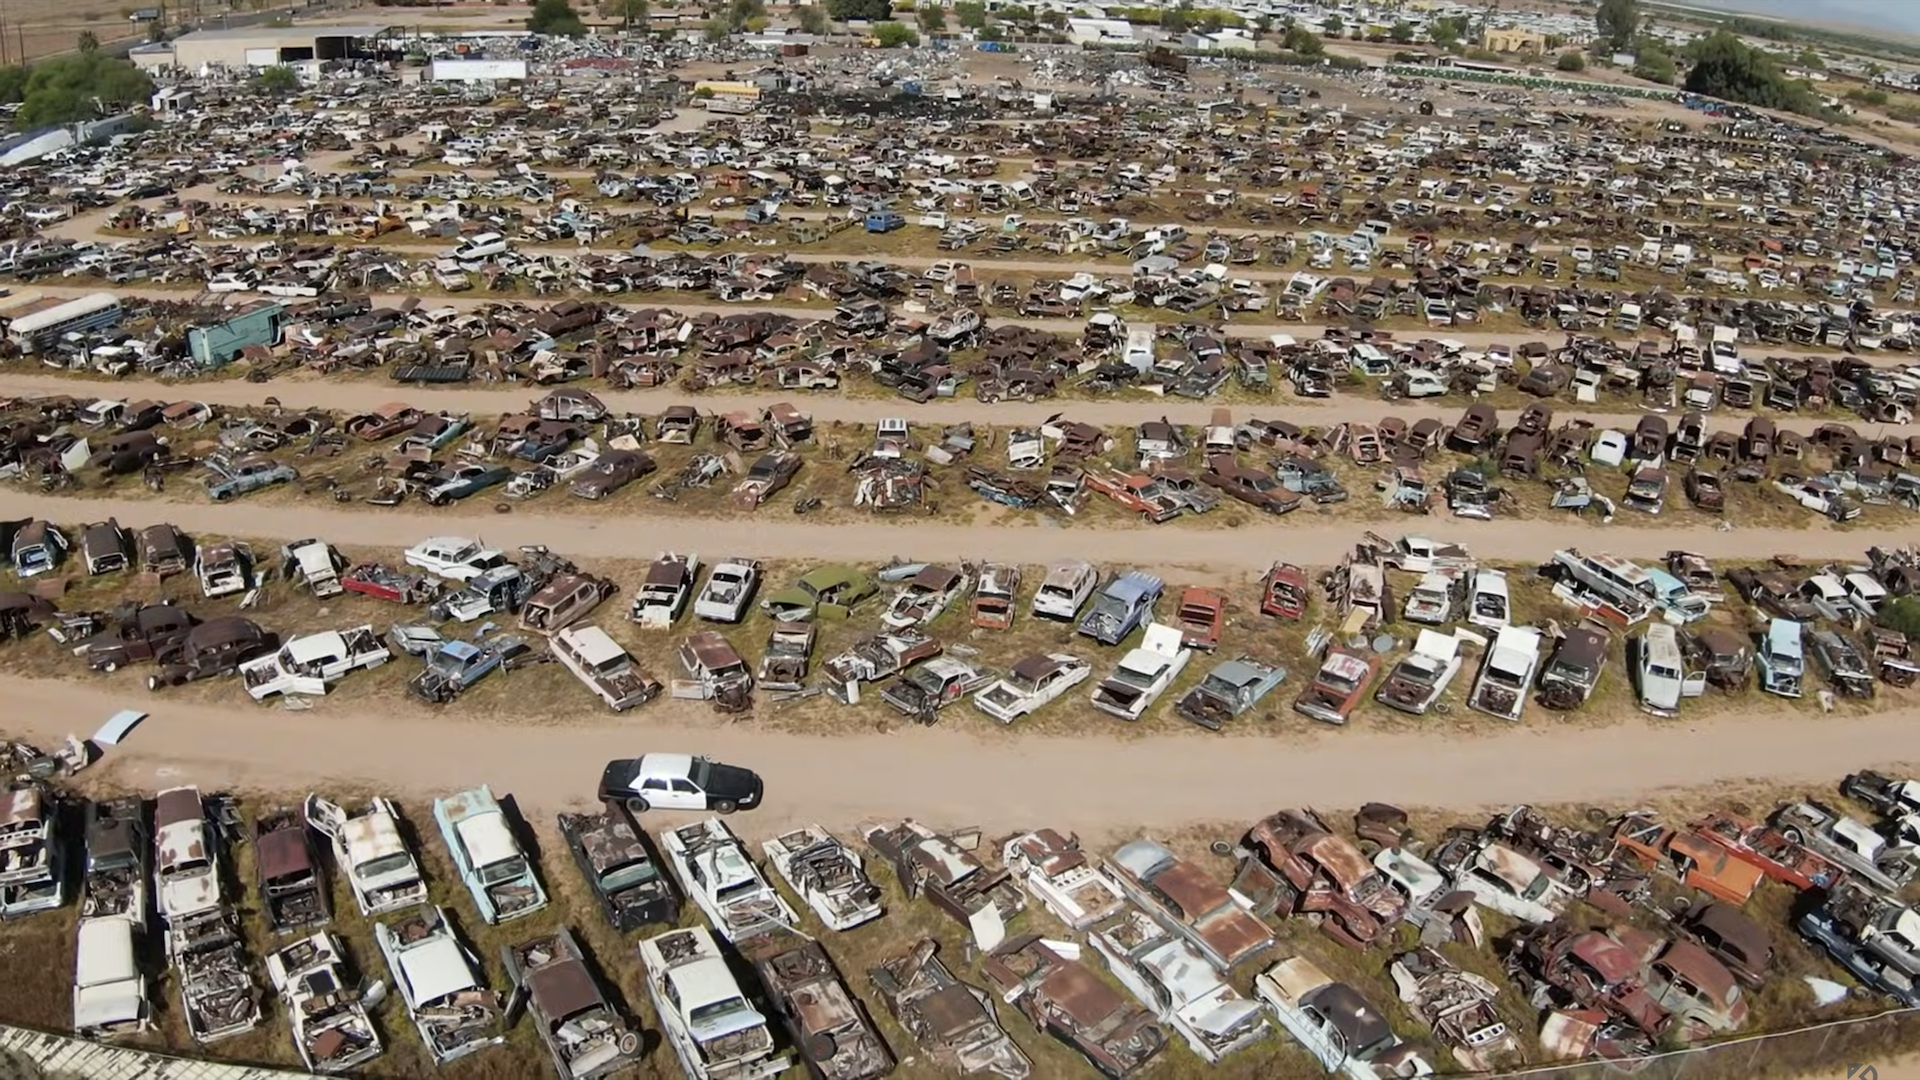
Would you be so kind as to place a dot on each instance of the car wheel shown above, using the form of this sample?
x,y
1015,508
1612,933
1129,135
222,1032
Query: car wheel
x,y
725,806
636,805
110,666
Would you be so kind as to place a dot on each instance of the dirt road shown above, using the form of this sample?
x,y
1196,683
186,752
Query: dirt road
x,y
304,392
947,775
1253,547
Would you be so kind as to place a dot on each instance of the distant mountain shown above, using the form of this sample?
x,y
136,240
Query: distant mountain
x,y
1864,14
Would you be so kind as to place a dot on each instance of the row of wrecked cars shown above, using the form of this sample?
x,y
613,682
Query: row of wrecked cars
x,y
1622,934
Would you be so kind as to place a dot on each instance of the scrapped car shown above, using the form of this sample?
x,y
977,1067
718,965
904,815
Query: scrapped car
x,y
186,857
585,1034
112,996
994,596
1062,877
1124,605
313,663
1416,682
611,471
717,874
1202,617
1143,674
331,1029
488,857
292,888
1032,683
35,851
439,980
311,564
1179,986
728,594
231,478
826,1022
952,1022
706,1017
1768,849
924,597
1573,669
371,853
1231,689
605,667
1871,936
1251,486
450,485
1506,673
1502,879
943,866
1066,1001
382,582
223,568
1688,857
455,558
1335,1023
1302,867
1181,895
666,591
830,592
164,550
825,873
713,670
565,599
1459,1007
1065,590
1732,937
679,782
923,690
620,867
766,477
1338,686
146,633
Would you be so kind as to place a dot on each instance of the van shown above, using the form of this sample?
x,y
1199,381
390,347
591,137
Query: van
x,y
482,246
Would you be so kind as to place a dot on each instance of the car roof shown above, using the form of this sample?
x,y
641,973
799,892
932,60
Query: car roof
x,y
667,765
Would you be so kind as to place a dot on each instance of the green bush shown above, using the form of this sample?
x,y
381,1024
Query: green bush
x,y
893,35
557,18
1572,61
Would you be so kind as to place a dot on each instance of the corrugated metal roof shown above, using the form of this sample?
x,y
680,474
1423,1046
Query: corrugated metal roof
x,y
64,1056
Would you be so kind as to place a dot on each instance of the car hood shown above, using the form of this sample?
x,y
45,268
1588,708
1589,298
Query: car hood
x,y
733,782
616,778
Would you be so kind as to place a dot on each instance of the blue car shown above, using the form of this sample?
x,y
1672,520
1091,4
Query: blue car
x,y
1124,605
488,857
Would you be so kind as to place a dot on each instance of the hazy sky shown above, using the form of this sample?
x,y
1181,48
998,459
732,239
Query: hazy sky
x,y
1901,15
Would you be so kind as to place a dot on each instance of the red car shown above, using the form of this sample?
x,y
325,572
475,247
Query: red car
x,y
1201,617
1284,593
383,582
1768,849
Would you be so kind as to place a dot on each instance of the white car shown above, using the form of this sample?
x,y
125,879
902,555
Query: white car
x,y
718,875
370,851
1489,604
728,594
1179,986
679,782
454,1011
830,876
1062,877
454,557
1503,880
331,1029
1033,682
1143,674
713,1029
312,663
1064,590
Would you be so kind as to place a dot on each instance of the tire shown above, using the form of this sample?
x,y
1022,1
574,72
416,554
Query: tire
x,y
629,1043
725,806
110,667
636,805
1793,835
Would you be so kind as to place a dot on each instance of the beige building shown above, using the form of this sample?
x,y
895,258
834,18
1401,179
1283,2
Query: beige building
x,y
1513,41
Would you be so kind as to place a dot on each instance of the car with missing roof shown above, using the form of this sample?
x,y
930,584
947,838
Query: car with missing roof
x,y
621,868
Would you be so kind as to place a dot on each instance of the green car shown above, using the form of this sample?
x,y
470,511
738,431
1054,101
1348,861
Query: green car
x,y
831,592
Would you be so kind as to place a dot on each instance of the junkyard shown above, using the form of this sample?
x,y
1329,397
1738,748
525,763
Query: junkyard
x,y
721,550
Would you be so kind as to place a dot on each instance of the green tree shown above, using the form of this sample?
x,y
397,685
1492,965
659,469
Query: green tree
x,y
278,79
813,18
1332,23
556,18
1902,614
1615,21
717,29
633,12
893,35
1650,62
1262,25
1446,31
1724,67
1401,32
994,32
1810,60
1016,14
13,84
1055,19
870,10
1301,40
932,19
78,87
87,42
971,14
1174,20
742,12
1571,61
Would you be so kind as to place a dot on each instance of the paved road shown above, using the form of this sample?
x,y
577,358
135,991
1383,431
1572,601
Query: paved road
x,y
576,530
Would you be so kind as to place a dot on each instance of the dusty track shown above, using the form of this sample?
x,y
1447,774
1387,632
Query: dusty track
x,y
779,535
298,392
948,776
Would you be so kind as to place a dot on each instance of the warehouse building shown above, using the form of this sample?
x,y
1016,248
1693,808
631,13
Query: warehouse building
x,y
263,46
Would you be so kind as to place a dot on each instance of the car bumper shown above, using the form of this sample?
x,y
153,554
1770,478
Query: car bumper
x,y
614,779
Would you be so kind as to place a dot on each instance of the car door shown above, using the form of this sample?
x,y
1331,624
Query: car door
x,y
658,793
683,795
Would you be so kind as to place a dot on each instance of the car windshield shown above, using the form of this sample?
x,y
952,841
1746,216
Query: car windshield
x,y
1130,676
629,876
701,771
508,869
705,1014
384,865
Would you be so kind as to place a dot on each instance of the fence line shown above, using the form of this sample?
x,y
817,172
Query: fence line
x,y
1826,1048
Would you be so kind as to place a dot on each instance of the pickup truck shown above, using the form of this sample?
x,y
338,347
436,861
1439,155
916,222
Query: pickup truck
x,y
312,663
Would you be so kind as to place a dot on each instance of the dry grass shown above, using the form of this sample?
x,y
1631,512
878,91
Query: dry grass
x,y
43,943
